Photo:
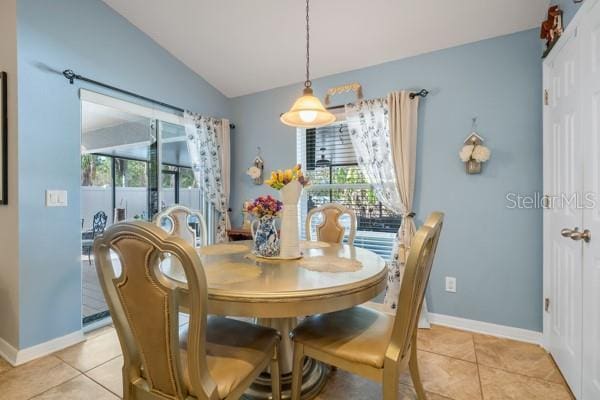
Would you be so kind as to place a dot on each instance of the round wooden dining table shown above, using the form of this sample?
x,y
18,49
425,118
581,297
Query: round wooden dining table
x,y
329,277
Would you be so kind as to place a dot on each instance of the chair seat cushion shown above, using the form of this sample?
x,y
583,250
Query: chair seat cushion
x,y
234,350
359,334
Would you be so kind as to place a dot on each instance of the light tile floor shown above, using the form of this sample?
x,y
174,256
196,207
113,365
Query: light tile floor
x,y
455,365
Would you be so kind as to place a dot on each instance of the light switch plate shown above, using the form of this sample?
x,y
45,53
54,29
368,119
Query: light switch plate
x,y
56,198
450,284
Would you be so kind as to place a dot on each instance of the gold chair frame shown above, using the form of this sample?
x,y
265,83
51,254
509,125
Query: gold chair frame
x,y
330,230
145,305
178,216
401,352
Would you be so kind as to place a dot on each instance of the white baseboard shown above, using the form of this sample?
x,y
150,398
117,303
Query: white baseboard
x,y
17,357
487,328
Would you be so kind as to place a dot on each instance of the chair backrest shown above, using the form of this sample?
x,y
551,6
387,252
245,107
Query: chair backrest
x,y
144,306
99,223
414,283
179,218
331,230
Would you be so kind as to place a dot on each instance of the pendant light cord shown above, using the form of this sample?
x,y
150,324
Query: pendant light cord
x,y
307,83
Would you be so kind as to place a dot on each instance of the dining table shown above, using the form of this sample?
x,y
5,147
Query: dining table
x,y
278,292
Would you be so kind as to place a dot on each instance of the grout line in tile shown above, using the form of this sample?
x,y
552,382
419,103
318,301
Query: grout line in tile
x,y
95,381
52,387
445,355
478,371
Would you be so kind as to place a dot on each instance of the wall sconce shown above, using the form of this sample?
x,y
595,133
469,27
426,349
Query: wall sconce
x,y
255,172
474,153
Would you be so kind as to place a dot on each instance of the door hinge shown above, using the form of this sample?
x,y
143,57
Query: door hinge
x,y
546,304
546,97
546,201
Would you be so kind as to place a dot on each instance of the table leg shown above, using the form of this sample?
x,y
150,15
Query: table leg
x,y
314,373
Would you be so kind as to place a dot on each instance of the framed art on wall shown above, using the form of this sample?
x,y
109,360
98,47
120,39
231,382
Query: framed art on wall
x,y
3,140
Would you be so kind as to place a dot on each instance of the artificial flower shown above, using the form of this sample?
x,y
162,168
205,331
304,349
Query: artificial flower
x,y
253,172
466,152
264,205
280,178
481,153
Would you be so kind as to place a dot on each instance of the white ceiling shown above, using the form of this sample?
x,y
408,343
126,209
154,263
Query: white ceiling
x,y
242,46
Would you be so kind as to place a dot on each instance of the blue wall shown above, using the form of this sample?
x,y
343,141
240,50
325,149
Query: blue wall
x,y
494,252
90,38
569,9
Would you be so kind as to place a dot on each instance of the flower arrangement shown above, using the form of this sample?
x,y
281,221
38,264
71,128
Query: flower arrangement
x,y
476,152
264,206
281,178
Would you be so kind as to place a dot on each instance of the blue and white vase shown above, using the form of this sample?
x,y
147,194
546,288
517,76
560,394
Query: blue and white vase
x,y
266,238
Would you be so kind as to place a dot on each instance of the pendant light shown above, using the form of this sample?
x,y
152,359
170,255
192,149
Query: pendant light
x,y
307,111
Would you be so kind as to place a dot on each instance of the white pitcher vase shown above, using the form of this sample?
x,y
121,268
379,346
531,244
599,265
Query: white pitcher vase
x,y
289,236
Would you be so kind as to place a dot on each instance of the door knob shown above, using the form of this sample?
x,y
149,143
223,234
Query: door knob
x,y
566,232
586,235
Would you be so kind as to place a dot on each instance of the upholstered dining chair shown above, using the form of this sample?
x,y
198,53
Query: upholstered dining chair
x,y
370,343
178,217
208,358
330,229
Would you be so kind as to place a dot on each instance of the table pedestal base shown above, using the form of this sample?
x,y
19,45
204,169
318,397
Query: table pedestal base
x,y
314,377
314,373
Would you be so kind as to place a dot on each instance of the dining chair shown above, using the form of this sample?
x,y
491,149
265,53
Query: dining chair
x,y
206,359
178,218
362,340
330,229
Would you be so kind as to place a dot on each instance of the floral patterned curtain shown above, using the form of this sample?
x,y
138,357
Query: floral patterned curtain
x,y
369,123
202,134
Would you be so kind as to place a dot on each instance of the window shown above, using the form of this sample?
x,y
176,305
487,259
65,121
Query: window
x,y
329,160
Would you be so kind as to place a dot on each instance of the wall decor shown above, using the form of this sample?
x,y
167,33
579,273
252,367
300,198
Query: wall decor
x,y
255,172
349,87
551,28
3,139
474,153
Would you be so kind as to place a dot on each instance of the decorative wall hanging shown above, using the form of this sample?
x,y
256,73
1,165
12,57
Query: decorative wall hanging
x,y
3,139
474,153
349,87
551,28
255,172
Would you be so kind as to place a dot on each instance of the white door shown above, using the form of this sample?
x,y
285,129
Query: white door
x,y
563,179
589,34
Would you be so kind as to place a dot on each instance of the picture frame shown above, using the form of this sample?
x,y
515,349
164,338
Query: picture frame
x,y
3,139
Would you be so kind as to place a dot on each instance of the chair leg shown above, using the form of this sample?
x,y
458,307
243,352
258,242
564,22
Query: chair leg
x,y
390,382
413,365
297,371
275,375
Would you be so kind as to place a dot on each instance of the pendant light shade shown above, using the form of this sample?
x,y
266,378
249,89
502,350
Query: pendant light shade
x,y
307,111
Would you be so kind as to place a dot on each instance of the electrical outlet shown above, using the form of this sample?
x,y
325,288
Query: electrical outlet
x,y
450,284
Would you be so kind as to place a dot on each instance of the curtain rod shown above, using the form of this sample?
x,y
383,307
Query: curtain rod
x,y
420,93
72,76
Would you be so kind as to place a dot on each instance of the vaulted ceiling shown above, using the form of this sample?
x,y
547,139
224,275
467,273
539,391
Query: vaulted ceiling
x,y
242,46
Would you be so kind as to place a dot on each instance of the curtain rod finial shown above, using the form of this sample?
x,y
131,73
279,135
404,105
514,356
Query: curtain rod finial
x,y
70,75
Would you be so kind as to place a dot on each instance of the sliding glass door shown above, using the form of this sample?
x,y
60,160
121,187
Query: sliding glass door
x,y
118,156
133,164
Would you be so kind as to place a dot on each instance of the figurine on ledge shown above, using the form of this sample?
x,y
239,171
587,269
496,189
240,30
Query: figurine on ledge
x,y
552,28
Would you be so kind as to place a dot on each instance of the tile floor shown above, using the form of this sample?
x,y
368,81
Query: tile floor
x,y
455,365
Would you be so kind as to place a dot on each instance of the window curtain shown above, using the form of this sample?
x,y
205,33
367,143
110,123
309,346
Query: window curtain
x,y
384,137
208,145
